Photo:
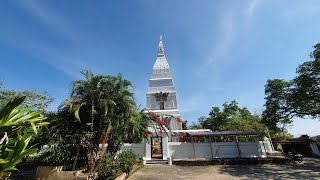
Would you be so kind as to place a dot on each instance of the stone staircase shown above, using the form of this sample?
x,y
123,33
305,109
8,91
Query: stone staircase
x,y
156,161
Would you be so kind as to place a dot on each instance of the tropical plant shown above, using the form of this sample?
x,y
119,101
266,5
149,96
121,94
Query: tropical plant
x,y
112,166
106,112
104,104
17,127
64,138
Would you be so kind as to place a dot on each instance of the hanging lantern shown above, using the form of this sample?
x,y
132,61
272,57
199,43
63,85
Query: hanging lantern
x,y
179,120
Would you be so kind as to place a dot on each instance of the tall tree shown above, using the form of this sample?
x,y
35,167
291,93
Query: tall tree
x,y
277,104
104,103
299,97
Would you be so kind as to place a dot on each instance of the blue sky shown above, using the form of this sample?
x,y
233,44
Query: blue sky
x,y
218,50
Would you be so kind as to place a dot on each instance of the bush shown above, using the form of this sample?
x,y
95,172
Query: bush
x,y
111,167
127,159
108,168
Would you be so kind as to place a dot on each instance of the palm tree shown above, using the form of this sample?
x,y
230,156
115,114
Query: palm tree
x,y
104,103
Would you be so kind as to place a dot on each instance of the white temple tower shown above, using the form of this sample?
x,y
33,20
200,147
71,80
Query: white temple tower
x,y
161,95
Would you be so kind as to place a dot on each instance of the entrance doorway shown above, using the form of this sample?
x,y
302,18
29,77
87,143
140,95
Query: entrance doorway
x,y
156,147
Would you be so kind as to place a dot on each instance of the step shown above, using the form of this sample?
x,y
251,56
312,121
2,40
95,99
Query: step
x,y
156,161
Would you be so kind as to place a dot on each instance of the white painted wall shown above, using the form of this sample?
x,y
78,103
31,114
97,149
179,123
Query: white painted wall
x,y
189,150
315,149
138,149
182,150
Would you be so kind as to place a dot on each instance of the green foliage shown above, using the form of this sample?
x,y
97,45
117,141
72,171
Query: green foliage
x,y
17,127
199,124
63,141
34,100
299,97
105,107
108,168
277,92
111,166
185,125
127,159
231,118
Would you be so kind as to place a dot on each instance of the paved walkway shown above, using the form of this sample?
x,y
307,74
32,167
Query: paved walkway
x,y
309,169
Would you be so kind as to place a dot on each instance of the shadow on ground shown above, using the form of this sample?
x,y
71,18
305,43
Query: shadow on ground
x,y
310,169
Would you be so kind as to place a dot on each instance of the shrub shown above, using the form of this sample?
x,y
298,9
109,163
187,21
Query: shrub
x,y
112,166
127,159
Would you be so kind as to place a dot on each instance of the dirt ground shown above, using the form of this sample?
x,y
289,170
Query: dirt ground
x,y
309,169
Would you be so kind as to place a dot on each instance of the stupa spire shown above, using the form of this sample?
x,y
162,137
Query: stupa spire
x,y
161,67
160,49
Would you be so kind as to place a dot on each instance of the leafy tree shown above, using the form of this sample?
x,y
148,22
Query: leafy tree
x,y
277,92
199,124
299,97
34,100
232,118
17,127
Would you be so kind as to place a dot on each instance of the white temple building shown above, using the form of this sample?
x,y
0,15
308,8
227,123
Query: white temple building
x,y
175,143
161,95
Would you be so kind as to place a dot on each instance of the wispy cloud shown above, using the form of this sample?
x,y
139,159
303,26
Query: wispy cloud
x,y
75,55
55,21
231,24
227,34
251,8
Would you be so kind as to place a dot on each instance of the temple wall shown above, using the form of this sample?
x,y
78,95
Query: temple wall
x,y
138,149
189,150
315,149
182,150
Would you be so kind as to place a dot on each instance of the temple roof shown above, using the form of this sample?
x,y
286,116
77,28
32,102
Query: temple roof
x,y
161,67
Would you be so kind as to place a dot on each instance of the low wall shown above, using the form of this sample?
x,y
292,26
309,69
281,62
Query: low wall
x,y
138,149
187,150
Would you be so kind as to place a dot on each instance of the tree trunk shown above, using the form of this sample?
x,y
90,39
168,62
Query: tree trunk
x,y
92,159
105,138
76,158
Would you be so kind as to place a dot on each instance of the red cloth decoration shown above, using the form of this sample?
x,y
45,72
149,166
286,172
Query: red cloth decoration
x,y
179,120
148,133
152,114
196,139
161,132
